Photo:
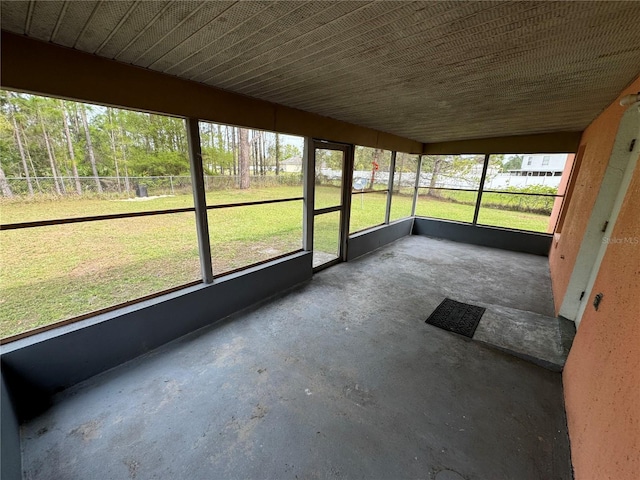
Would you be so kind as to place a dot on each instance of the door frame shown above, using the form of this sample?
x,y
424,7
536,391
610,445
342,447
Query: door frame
x,y
630,122
602,217
311,144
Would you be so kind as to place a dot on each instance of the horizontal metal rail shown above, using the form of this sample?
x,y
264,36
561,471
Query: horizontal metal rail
x,y
322,211
95,218
116,216
494,191
447,188
526,193
257,202
369,191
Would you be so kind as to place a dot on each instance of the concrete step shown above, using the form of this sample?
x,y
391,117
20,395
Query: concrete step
x,y
537,338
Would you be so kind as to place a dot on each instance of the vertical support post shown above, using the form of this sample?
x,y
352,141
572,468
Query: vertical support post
x,y
392,170
481,188
347,183
415,189
199,200
308,186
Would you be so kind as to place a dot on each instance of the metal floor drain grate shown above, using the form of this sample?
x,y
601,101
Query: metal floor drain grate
x,y
456,317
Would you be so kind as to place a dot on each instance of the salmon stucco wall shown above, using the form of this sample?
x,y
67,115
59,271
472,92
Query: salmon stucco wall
x,y
602,374
562,190
598,140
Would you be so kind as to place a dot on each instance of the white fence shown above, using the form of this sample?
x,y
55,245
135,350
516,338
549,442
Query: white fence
x,y
408,179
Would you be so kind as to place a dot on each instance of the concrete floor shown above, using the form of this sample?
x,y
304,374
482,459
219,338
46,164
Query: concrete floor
x,y
338,378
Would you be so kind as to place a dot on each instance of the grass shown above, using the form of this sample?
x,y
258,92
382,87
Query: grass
x,y
57,272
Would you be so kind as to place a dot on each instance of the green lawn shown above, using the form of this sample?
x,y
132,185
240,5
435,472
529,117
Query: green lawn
x,y
57,272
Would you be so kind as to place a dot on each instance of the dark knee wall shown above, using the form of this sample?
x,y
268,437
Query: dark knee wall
x,y
37,367
514,240
11,458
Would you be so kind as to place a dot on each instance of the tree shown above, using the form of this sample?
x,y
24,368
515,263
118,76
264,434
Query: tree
x,y
163,163
289,151
513,163
21,121
375,164
263,152
4,185
244,157
123,150
404,163
50,154
277,152
234,149
23,156
112,141
72,155
453,171
90,151
437,164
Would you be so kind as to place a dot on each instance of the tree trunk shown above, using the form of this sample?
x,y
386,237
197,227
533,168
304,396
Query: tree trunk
x,y
4,185
114,151
260,156
112,141
234,138
52,160
400,173
23,157
254,151
277,154
127,186
243,158
92,157
72,154
153,144
211,136
220,148
227,145
434,177
264,154
376,162
33,168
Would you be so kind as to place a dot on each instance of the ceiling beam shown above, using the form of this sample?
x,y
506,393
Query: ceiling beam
x,y
558,142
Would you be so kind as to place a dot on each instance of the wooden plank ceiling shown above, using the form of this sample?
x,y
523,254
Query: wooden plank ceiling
x,y
429,71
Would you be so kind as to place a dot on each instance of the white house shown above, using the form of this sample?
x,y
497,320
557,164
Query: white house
x,y
541,165
533,166
291,165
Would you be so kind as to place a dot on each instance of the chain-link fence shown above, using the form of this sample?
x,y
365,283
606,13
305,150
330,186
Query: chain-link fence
x,y
138,186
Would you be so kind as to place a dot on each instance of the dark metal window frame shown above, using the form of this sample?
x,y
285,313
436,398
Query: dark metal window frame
x,y
480,191
348,151
389,192
386,211
200,209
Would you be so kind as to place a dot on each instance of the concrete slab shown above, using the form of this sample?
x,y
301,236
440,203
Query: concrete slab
x,y
528,335
339,378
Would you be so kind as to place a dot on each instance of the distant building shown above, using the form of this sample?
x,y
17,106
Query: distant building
x,y
291,165
540,165
547,166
